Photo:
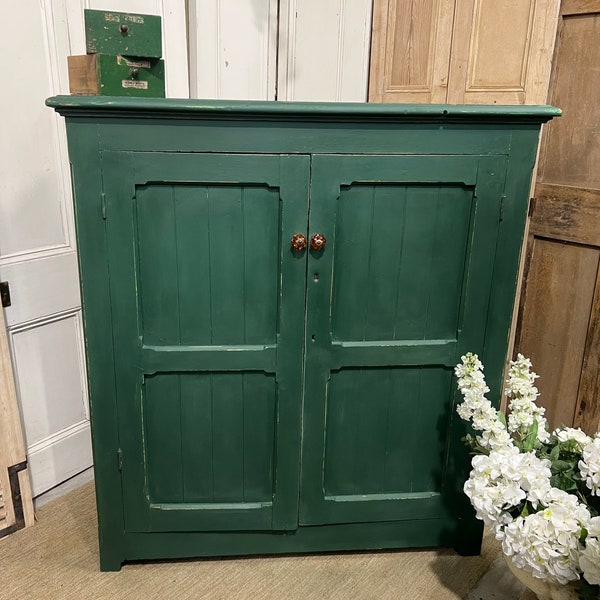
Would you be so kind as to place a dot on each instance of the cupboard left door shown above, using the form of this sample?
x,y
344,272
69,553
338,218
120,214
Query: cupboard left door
x,y
207,300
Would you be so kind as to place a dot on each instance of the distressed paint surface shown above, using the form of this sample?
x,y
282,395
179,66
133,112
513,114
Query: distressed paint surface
x,y
109,32
260,389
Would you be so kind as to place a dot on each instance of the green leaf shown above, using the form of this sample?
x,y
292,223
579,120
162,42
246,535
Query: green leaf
x,y
501,418
555,453
560,466
531,439
563,482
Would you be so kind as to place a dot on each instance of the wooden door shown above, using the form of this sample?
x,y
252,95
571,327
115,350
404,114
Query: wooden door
x,y
410,50
399,291
208,310
462,51
501,51
559,319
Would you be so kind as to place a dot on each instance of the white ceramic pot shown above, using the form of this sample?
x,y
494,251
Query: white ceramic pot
x,y
544,590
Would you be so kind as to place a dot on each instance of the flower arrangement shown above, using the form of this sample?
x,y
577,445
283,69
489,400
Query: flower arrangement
x,y
538,492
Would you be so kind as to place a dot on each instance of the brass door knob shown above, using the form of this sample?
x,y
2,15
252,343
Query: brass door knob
x,y
298,241
317,241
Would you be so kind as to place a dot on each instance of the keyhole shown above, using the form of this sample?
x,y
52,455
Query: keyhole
x,y
312,337
316,277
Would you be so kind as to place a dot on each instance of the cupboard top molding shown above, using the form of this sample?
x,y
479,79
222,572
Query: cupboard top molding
x,y
167,108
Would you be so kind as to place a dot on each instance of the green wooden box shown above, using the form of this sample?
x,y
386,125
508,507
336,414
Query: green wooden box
x,y
108,75
254,391
122,33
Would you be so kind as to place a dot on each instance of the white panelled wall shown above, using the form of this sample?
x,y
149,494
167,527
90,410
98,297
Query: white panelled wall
x,y
324,50
230,49
287,50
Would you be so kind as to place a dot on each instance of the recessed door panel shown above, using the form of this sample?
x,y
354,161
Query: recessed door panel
x,y
211,253
389,241
378,420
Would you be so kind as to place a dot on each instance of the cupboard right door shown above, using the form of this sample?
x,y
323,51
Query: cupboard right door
x,y
397,293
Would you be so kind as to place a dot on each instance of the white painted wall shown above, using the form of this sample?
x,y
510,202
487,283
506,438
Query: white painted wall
x,y
233,49
324,50
37,239
292,50
244,49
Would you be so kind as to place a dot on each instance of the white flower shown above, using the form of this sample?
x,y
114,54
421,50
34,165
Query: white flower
x,y
477,407
589,465
523,410
547,543
502,481
589,560
491,493
542,528
564,434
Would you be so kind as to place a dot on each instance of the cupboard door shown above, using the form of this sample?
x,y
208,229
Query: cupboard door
x,y
399,291
208,309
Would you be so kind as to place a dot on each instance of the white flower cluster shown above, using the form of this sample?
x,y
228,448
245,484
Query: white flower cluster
x,y
477,408
547,543
523,410
545,530
589,465
589,560
566,434
501,481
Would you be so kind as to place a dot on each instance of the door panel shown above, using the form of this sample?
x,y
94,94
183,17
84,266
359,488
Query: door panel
x,y
221,299
406,265
501,51
408,225
410,50
210,364
219,427
365,451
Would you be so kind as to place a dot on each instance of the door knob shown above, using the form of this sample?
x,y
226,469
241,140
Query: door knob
x,y
298,241
317,241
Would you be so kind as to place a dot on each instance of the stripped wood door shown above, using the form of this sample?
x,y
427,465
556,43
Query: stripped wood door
x,y
398,293
502,51
462,52
559,317
410,50
208,310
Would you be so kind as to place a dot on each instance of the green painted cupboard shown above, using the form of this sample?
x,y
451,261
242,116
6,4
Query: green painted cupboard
x,y
274,297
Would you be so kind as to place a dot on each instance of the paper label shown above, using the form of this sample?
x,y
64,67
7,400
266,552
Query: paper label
x,y
139,85
140,64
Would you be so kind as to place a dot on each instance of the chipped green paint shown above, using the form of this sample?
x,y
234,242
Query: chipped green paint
x,y
272,400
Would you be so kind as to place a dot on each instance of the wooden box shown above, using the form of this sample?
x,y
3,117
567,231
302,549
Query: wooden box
x,y
122,33
108,75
